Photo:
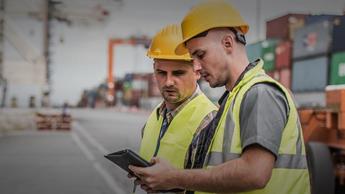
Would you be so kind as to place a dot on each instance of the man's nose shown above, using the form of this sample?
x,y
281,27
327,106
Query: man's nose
x,y
169,81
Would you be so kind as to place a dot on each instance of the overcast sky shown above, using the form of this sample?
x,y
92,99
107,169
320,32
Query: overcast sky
x,y
79,59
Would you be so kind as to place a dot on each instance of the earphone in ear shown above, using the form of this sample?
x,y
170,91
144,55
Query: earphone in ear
x,y
239,36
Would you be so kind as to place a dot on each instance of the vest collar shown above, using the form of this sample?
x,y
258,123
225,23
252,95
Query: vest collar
x,y
251,70
250,74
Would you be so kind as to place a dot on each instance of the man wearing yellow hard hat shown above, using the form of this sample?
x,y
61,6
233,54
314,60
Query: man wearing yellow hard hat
x,y
185,110
255,144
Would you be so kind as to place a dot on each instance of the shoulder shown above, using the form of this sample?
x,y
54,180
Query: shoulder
x,y
266,94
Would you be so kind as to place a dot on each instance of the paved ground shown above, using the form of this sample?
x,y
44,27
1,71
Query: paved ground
x,y
34,162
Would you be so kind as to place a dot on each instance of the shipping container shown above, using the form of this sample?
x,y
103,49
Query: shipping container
x,y
310,74
274,74
254,51
337,69
285,77
136,96
310,99
140,84
312,19
313,40
283,55
284,27
270,73
338,34
118,85
153,87
268,53
128,77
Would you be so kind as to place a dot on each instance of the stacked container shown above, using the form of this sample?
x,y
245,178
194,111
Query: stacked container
x,y
309,54
268,48
153,86
312,48
285,26
311,19
338,34
282,29
310,75
264,50
313,40
283,53
138,86
337,69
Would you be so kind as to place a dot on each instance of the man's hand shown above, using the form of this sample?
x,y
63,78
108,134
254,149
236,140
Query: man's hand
x,y
137,181
160,176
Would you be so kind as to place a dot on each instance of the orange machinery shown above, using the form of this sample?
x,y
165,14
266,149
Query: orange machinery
x,y
327,126
111,48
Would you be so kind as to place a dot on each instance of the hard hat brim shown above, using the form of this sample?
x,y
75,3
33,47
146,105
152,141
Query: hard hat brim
x,y
182,57
181,48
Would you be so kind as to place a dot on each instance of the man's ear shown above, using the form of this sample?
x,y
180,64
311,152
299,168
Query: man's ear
x,y
228,43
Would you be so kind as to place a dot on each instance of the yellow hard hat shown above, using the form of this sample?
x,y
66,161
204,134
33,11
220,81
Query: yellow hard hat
x,y
207,15
164,43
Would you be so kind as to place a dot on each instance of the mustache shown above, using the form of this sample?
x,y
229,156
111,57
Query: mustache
x,y
171,88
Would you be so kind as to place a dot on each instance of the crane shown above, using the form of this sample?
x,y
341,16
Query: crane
x,y
112,44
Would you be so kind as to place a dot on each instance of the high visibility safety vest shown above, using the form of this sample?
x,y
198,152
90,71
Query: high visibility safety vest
x,y
290,174
178,136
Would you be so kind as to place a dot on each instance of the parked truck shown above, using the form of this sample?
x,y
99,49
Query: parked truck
x,y
324,135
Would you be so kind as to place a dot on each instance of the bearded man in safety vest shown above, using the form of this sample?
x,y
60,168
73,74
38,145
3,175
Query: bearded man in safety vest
x,y
255,144
185,110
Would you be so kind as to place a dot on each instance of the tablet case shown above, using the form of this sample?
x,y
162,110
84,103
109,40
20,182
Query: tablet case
x,y
127,157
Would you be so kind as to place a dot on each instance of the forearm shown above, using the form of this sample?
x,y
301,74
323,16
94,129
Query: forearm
x,y
222,178
249,172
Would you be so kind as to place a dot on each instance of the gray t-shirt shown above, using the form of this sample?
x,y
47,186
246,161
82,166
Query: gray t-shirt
x,y
263,115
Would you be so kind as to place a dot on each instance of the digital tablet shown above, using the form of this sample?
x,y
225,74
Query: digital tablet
x,y
127,157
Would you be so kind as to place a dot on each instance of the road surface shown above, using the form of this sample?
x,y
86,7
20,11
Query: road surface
x,y
63,162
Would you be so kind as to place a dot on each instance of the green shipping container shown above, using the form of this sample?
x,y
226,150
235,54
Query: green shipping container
x,y
337,69
268,53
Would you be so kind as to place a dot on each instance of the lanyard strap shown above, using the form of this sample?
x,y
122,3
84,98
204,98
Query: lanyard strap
x,y
203,142
162,131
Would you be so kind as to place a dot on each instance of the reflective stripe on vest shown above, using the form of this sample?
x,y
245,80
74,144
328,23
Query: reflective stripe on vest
x,y
290,174
176,140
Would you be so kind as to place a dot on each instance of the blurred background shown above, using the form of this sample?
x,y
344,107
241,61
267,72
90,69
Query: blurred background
x,y
75,82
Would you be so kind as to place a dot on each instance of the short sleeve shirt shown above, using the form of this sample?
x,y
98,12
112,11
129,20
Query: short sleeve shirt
x,y
263,115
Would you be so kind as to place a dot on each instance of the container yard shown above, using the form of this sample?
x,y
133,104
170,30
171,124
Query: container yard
x,y
78,82
308,59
